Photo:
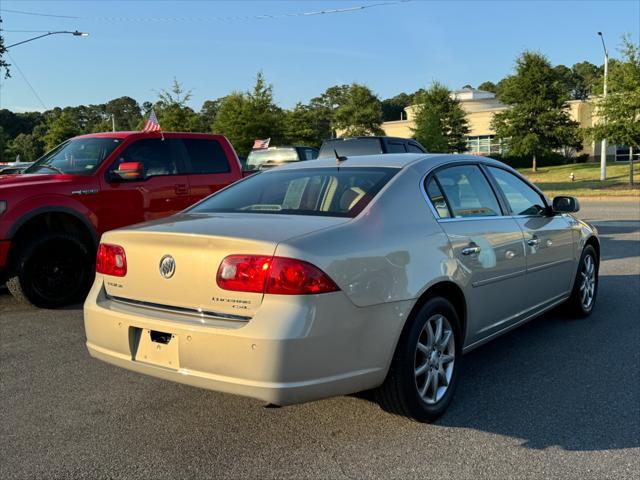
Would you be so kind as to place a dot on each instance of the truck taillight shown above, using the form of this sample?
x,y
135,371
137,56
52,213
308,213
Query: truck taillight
x,y
275,275
111,260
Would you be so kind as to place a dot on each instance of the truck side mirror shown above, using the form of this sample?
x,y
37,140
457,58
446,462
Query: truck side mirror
x,y
562,204
130,171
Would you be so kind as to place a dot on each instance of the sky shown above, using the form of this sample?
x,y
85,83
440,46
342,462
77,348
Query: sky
x,y
137,48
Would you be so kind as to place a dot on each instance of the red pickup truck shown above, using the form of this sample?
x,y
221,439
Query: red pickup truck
x,y
52,215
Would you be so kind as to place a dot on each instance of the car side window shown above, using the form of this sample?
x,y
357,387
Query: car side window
x,y
206,156
395,147
156,155
522,199
411,148
437,198
468,192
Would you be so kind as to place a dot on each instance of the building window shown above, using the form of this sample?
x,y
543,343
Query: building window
x,y
622,154
484,145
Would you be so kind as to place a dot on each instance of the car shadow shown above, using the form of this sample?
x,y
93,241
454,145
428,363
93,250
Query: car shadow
x,y
614,248
559,382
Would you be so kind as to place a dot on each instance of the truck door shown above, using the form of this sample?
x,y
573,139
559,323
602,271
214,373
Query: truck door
x,y
162,190
208,167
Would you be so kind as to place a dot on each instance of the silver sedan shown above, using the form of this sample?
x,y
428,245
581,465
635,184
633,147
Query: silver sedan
x,y
330,277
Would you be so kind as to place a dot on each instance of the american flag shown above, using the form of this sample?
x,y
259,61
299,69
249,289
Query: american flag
x,y
152,124
259,144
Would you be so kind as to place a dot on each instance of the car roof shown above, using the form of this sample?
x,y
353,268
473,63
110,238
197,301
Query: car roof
x,y
139,134
369,136
390,160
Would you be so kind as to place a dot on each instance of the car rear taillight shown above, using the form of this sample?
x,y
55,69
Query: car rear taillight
x,y
111,260
275,275
243,273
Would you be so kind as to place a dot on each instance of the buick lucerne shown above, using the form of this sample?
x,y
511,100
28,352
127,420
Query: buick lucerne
x,y
335,276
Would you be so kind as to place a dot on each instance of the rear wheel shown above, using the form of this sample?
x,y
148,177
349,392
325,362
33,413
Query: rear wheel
x,y
52,271
585,286
423,374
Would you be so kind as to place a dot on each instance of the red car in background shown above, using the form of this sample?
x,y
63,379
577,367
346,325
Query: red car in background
x,y
53,214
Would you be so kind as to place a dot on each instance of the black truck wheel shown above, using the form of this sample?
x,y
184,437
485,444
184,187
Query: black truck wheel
x,y
52,271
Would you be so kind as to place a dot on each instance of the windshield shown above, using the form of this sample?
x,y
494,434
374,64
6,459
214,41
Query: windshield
x,y
333,192
271,155
76,157
350,147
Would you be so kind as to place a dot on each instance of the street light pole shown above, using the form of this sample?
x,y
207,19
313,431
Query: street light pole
x,y
603,146
75,34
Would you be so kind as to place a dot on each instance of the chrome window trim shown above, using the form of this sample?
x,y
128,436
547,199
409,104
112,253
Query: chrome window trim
x,y
192,312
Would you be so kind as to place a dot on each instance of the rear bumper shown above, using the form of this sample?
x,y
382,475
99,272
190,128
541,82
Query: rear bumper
x,y
295,349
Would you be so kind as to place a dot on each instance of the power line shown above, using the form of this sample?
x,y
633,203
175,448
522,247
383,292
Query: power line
x,y
36,14
219,18
24,77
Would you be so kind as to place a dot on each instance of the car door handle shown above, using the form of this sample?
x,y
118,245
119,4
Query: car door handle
x,y
533,242
470,250
182,189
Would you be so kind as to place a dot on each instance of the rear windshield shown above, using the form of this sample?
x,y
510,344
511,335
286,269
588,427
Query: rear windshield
x,y
350,147
333,192
257,158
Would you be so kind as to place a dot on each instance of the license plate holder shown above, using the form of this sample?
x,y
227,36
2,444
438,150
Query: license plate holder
x,y
158,348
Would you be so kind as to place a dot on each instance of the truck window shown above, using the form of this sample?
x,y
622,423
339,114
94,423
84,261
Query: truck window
x,y
157,155
413,148
206,156
395,147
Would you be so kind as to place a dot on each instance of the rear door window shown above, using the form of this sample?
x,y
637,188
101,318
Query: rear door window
x,y
335,192
413,148
206,156
396,147
468,192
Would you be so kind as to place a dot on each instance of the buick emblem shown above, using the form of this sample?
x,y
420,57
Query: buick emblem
x,y
167,266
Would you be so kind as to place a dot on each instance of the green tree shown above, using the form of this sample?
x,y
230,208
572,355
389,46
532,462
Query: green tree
x,y
326,104
537,122
246,116
3,63
441,124
126,113
487,87
26,145
587,76
393,108
360,113
619,111
304,125
61,125
173,111
208,113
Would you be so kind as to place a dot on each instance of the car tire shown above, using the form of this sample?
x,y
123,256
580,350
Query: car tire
x,y
585,286
52,271
420,354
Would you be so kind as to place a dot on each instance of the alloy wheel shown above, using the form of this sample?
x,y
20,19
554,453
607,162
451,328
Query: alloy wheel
x,y
434,359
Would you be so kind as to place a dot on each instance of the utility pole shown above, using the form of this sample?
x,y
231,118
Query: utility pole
x,y
603,146
113,122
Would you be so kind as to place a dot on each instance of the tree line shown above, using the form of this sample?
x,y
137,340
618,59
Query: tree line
x,y
537,124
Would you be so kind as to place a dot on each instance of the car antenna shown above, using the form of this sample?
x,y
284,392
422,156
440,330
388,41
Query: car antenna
x,y
339,158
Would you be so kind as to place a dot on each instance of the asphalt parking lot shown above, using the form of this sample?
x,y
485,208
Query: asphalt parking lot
x,y
555,398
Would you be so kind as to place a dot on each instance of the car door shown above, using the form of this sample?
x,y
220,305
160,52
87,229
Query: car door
x,y
162,190
486,247
208,167
548,239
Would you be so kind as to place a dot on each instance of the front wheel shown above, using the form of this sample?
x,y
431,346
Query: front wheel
x,y
52,271
585,286
423,374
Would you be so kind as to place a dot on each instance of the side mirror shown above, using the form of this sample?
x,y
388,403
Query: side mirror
x,y
130,171
565,204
